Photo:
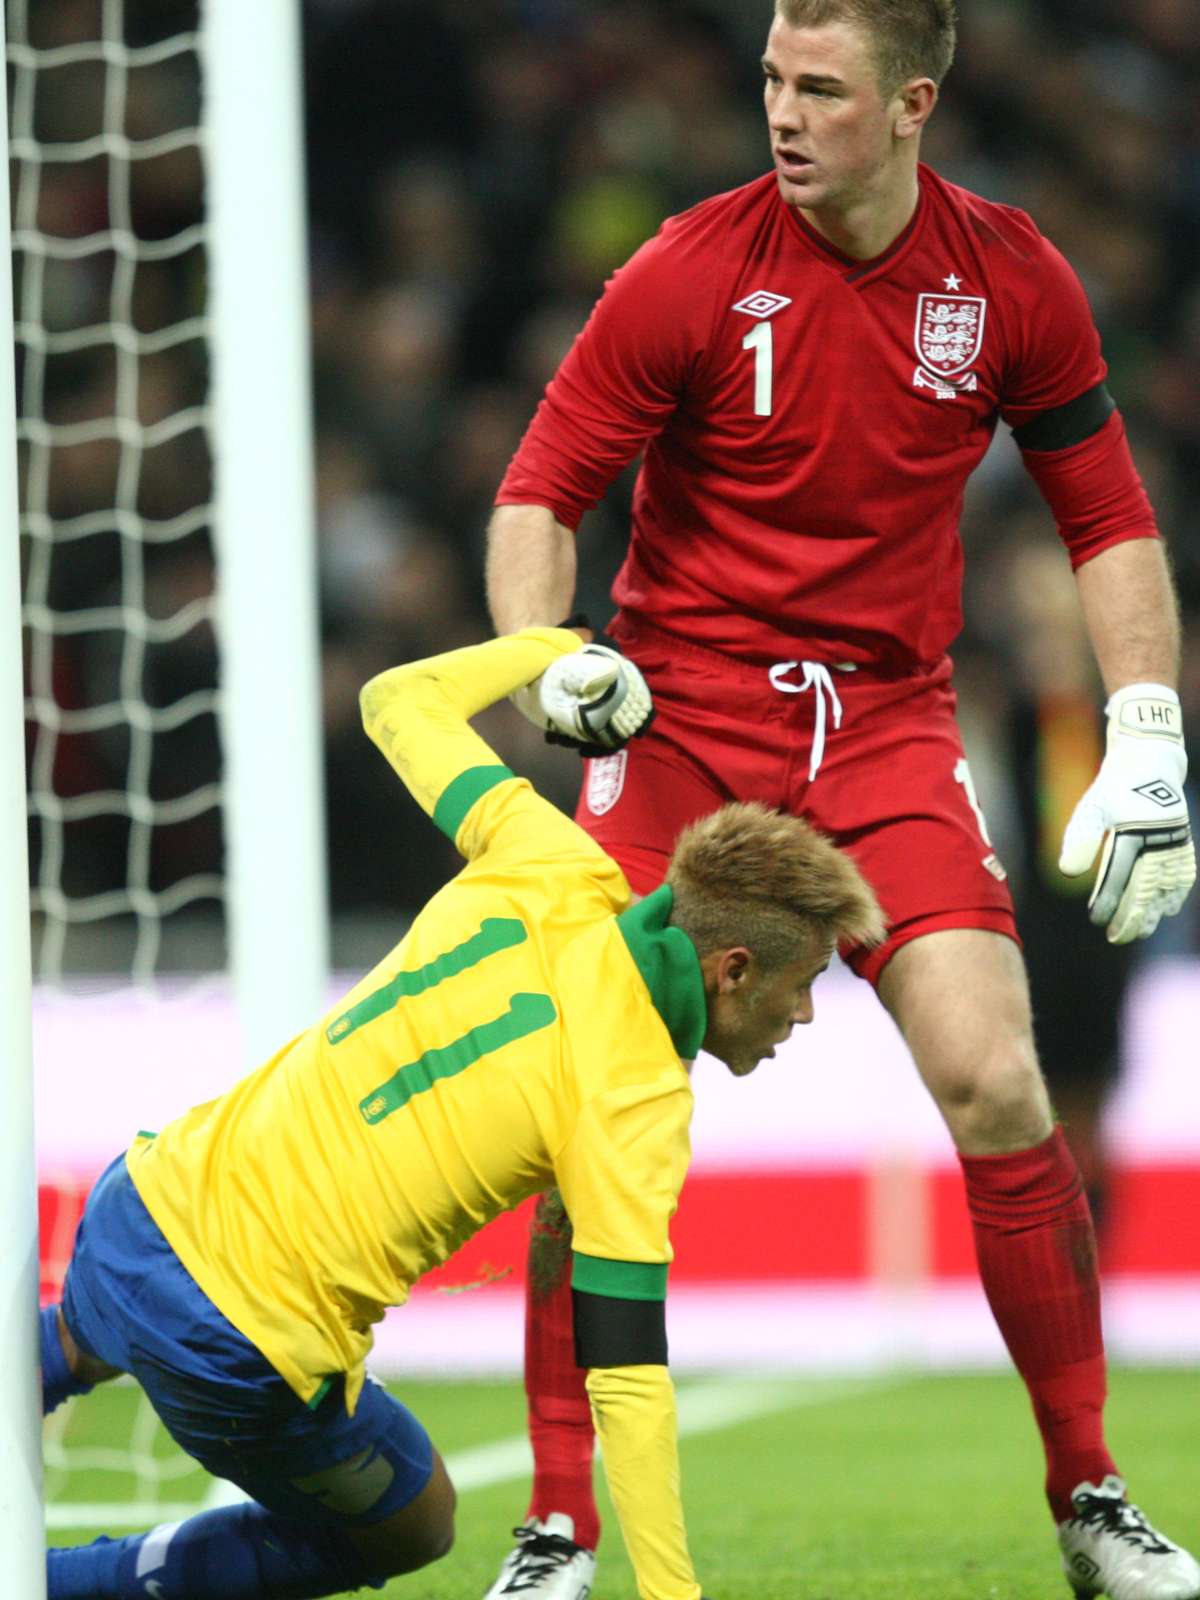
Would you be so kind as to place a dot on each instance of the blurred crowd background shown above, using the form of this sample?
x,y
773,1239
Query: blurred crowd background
x,y
476,169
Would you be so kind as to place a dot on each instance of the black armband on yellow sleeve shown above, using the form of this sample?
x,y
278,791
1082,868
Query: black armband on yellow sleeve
x,y
1063,426
619,1333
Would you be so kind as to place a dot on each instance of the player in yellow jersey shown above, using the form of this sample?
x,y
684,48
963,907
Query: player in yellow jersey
x,y
532,1028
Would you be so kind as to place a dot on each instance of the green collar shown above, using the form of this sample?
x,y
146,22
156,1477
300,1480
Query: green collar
x,y
667,961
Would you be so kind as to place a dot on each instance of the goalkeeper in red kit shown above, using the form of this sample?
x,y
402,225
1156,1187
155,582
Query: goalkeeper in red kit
x,y
814,364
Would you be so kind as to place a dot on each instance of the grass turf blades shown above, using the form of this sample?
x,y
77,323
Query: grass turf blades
x,y
920,1488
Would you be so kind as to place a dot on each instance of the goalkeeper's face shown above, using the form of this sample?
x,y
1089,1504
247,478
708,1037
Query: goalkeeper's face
x,y
834,137
752,1010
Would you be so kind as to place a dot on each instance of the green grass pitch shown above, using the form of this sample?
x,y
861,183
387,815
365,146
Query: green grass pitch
x,y
909,1488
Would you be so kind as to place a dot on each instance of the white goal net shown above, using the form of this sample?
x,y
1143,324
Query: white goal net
x,y
112,337
129,505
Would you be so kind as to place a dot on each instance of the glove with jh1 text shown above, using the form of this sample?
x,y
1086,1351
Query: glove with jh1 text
x,y
1137,808
594,700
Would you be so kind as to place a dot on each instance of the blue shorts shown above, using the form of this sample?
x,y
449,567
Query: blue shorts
x,y
129,1301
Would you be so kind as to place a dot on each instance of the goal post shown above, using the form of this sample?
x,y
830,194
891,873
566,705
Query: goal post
x,y
20,1430
165,467
264,516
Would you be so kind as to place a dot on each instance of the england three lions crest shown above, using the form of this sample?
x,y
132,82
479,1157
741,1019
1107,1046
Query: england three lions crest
x,y
949,336
605,780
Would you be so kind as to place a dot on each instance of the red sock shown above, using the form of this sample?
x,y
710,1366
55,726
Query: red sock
x,y
1037,1258
560,1418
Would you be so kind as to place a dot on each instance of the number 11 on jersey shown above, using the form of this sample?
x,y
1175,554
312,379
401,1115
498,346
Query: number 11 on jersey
x,y
759,340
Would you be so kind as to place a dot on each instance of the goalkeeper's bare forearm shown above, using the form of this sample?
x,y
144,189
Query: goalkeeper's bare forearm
x,y
531,568
1131,613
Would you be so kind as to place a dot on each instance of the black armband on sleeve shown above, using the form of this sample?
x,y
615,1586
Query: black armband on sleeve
x,y
1062,426
619,1333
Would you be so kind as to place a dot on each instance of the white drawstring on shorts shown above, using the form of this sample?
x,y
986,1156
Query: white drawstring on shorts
x,y
816,678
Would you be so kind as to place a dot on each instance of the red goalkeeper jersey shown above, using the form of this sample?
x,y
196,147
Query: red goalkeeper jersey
x,y
810,421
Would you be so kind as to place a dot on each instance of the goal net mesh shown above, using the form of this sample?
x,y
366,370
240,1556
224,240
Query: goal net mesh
x,y
112,340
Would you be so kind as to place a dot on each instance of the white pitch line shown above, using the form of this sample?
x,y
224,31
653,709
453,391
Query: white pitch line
x,y
703,1408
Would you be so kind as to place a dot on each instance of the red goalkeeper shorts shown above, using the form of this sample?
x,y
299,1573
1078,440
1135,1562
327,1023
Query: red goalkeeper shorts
x,y
875,762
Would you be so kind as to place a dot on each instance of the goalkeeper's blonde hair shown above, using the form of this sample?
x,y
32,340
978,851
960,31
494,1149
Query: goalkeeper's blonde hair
x,y
909,38
747,875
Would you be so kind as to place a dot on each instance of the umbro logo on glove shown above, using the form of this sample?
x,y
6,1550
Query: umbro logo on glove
x,y
1161,793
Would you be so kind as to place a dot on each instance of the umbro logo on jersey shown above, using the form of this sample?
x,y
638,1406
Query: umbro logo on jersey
x,y
762,304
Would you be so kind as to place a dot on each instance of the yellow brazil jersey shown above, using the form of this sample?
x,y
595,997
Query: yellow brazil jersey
x,y
521,1034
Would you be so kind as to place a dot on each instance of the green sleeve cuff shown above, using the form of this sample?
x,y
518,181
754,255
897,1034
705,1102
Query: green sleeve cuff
x,y
621,1280
460,795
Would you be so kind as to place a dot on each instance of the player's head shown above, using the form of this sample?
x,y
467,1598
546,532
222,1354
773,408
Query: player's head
x,y
849,85
765,899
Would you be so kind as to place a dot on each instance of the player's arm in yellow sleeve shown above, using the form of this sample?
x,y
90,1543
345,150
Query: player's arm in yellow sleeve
x,y
620,1174
623,1343
418,715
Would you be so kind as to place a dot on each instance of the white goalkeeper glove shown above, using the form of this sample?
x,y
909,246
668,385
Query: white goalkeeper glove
x,y
594,700
1136,807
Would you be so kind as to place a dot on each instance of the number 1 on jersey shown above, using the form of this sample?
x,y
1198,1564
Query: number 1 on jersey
x,y
760,341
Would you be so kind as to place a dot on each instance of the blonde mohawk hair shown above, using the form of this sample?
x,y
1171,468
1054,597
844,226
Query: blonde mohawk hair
x,y
747,875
